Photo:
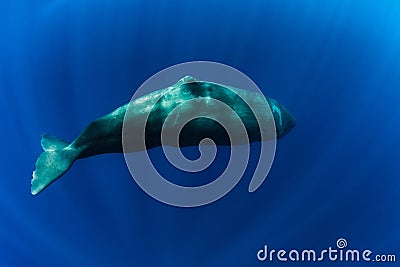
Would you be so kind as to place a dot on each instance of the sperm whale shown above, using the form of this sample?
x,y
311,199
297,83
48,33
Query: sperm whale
x,y
104,135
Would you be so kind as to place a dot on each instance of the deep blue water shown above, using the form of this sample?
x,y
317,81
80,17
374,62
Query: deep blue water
x,y
334,64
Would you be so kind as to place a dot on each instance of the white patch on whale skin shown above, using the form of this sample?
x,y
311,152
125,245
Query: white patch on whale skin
x,y
275,108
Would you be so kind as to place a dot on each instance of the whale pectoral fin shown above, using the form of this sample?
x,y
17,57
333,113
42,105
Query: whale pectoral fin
x,y
55,160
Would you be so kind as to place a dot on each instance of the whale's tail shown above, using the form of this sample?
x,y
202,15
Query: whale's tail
x,y
55,160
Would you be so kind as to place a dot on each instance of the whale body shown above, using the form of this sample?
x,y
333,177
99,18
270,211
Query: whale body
x,y
104,135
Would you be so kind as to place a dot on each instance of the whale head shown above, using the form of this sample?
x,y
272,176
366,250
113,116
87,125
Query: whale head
x,y
284,120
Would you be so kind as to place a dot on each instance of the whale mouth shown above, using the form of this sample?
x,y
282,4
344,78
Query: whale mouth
x,y
289,122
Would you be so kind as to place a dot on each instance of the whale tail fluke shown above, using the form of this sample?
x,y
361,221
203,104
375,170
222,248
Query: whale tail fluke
x,y
55,160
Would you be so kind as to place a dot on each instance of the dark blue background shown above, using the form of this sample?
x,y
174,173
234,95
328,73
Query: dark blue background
x,y
334,64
